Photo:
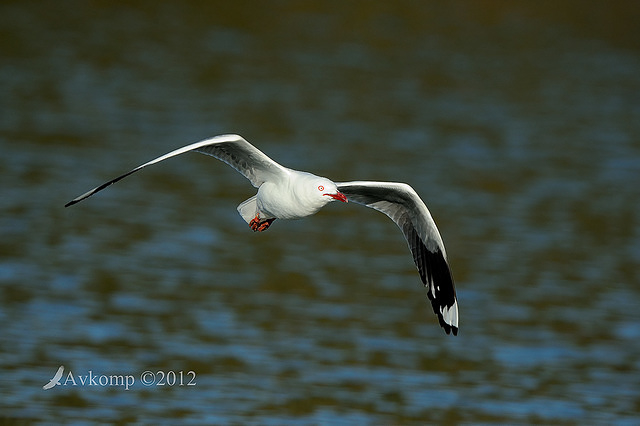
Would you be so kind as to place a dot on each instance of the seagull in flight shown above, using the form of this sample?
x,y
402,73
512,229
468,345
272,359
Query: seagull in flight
x,y
55,381
284,193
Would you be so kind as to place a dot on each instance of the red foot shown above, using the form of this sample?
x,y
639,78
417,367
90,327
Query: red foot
x,y
260,225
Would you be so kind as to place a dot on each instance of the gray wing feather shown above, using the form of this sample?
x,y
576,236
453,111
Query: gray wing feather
x,y
403,205
232,149
242,156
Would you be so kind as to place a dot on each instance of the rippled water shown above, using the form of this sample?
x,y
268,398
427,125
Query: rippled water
x,y
518,125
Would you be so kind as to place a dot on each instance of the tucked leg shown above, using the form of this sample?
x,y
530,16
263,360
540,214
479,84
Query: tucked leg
x,y
265,224
255,222
260,225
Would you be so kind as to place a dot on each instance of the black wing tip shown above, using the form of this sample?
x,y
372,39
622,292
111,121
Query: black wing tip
x,y
85,196
100,188
438,279
448,328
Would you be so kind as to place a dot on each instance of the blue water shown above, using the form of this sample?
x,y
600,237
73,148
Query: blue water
x,y
518,125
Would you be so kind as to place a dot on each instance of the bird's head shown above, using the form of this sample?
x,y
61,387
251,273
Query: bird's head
x,y
328,191
314,192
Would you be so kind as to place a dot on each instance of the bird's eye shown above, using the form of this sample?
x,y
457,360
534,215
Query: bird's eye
x,y
320,188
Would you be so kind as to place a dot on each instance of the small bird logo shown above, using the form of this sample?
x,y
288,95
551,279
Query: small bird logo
x,y
55,380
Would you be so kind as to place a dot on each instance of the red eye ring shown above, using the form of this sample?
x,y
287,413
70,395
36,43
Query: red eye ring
x,y
320,188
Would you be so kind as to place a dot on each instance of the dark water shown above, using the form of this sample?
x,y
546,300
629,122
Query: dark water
x,y
518,125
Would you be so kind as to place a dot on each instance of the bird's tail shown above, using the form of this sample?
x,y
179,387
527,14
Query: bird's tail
x,y
248,209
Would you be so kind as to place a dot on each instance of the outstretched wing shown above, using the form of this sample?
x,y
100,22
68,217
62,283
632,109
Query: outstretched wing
x,y
232,149
403,205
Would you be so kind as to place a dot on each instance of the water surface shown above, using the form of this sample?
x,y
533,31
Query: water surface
x,y
519,126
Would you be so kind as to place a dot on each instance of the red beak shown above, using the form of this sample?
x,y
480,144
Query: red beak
x,y
339,196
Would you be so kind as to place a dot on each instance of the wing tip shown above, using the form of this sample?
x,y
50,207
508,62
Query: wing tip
x,y
448,318
449,328
87,194
438,279
80,198
101,187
